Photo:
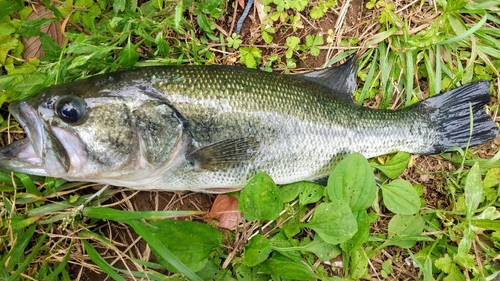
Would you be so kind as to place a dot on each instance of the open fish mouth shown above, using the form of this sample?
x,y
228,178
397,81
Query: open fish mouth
x,y
40,153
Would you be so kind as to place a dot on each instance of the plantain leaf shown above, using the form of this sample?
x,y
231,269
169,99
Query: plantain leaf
x,y
400,197
395,166
333,222
257,250
353,182
260,199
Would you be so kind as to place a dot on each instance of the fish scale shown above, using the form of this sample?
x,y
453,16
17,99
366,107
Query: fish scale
x,y
210,128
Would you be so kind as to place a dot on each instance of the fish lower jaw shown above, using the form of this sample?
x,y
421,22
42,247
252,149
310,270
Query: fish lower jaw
x,y
20,156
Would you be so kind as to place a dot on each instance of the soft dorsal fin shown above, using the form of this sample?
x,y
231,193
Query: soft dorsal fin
x,y
224,154
341,79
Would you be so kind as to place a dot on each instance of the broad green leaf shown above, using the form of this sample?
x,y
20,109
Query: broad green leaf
x,y
128,55
260,199
359,264
394,167
6,28
465,244
119,5
445,263
400,197
257,250
286,245
249,56
487,224
492,177
361,235
211,271
31,28
50,46
29,85
156,237
7,8
316,13
245,273
7,80
290,191
324,251
190,242
205,23
178,18
404,230
490,213
465,260
423,260
279,265
455,275
473,190
353,182
268,38
310,193
333,222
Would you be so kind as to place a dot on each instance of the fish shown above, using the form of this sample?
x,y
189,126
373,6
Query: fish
x,y
210,128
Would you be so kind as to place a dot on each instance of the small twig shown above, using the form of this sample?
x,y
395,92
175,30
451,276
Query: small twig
x,y
407,6
234,18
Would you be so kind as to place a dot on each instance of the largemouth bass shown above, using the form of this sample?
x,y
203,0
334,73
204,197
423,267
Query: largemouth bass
x,y
211,128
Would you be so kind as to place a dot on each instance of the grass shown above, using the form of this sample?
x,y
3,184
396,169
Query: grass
x,y
432,217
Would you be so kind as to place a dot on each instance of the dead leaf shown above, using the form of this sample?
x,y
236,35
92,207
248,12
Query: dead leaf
x,y
242,3
33,46
225,210
260,10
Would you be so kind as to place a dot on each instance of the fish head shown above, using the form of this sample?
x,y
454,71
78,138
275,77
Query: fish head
x,y
89,130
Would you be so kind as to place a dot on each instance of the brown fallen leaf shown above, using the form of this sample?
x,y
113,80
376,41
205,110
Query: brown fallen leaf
x,y
33,46
242,3
225,210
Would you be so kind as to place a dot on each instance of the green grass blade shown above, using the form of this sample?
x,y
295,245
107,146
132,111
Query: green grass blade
x,y
437,79
99,261
125,216
17,252
61,265
466,34
28,183
154,242
147,275
26,262
7,179
370,78
409,77
382,36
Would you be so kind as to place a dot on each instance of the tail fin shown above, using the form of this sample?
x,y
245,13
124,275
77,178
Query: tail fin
x,y
451,111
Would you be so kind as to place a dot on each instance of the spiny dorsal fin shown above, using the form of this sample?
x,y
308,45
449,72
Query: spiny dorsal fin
x,y
341,79
224,154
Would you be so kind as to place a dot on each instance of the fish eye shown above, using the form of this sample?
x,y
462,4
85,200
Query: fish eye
x,y
71,110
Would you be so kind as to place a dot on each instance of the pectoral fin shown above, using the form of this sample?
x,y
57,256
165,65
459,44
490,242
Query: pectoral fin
x,y
224,154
